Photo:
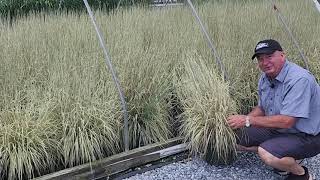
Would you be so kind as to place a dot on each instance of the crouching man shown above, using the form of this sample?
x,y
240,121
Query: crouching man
x,y
285,125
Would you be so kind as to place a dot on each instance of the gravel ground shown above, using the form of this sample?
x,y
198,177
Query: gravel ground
x,y
247,166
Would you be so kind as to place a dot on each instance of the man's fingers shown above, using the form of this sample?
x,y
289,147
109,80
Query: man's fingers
x,y
234,121
230,122
233,125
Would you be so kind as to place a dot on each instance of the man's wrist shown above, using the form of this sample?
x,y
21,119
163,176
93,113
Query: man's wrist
x,y
247,122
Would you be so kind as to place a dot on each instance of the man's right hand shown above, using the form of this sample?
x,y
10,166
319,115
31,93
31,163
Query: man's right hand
x,y
236,121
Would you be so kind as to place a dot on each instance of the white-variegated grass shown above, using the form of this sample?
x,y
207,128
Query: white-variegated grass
x,y
206,103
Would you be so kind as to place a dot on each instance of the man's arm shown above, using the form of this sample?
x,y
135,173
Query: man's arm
x,y
276,121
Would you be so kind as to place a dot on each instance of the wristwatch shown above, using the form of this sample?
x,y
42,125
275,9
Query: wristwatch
x,y
247,121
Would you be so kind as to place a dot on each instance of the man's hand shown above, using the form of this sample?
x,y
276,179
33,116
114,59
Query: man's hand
x,y
236,121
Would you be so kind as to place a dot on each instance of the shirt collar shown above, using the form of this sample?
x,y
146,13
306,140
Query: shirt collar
x,y
281,76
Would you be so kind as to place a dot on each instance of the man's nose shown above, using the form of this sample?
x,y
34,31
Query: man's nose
x,y
264,61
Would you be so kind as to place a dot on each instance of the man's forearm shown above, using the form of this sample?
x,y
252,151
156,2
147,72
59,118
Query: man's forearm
x,y
276,121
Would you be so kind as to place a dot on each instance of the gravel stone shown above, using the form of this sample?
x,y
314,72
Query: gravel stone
x,y
248,166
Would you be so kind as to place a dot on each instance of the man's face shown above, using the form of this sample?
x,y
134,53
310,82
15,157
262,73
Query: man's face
x,y
271,64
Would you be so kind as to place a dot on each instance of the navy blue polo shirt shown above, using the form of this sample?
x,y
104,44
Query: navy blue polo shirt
x,y
294,92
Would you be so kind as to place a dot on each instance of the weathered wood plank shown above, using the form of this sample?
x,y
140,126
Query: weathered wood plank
x,y
120,166
151,166
97,167
117,167
172,150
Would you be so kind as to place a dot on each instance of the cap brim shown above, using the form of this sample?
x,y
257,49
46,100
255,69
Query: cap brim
x,y
263,51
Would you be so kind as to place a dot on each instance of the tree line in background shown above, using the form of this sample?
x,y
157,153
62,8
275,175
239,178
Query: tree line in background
x,y
14,8
11,9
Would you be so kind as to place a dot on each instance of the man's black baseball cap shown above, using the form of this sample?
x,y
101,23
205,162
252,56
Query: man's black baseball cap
x,y
267,46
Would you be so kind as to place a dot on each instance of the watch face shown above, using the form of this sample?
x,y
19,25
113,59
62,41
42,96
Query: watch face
x,y
247,122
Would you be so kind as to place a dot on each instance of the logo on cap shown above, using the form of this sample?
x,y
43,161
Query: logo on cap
x,y
262,45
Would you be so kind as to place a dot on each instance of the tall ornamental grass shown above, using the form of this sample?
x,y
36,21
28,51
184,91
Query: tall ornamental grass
x,y
28,144
144,72
90,132
58,60
206,104
51,63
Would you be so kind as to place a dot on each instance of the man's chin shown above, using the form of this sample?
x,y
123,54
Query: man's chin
x,y
269,73
268,70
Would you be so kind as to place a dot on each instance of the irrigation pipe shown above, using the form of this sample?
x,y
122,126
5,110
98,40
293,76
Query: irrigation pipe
x,y
286,27
211,46
317,4
114,76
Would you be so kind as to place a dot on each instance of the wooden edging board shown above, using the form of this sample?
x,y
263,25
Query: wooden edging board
x,y
179,157
112,164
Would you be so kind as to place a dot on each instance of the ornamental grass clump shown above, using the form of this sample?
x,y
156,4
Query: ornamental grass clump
x,y
90,131
147,85
29,144
148,107
206,104
143,67
56,59
149,120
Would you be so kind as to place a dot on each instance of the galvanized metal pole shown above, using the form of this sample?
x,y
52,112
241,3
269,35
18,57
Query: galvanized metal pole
x,y
210,43
286,27
317,4
114,76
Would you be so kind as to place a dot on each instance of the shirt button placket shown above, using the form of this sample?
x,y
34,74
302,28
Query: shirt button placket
x,y
271,102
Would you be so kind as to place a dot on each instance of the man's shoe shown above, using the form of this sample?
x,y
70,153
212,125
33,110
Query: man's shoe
x,y
280,172
306,175
285,173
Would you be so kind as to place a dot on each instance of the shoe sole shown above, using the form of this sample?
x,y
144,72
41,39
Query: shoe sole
x,y
311,177
282,173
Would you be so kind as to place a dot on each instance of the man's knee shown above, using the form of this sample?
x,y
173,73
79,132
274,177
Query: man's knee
x,y
267,157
